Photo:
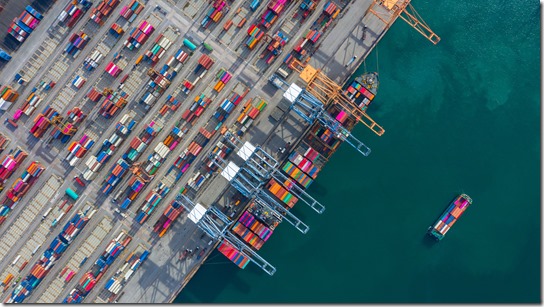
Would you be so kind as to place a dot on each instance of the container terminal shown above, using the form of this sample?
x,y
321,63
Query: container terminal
x,y
140,135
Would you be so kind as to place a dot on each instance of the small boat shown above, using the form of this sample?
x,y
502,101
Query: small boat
x,y
450,216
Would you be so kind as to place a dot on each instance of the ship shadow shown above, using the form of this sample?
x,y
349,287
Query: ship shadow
x,y
428,241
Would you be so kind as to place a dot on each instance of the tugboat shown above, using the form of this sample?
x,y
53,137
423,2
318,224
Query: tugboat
x,y
450,216
363,89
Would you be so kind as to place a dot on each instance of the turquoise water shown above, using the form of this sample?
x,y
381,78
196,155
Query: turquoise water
x,y
462,116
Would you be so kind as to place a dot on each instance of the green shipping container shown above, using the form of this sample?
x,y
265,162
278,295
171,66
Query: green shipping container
x,y
72,194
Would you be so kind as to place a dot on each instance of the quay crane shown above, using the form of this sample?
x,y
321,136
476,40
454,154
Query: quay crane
x,y
266,166
215,224
404,10
327,92
312,109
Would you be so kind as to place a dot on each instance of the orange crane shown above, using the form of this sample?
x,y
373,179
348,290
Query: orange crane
x,y
404,10
328,91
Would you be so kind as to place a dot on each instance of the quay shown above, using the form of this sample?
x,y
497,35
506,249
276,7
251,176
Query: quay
x,y
148,115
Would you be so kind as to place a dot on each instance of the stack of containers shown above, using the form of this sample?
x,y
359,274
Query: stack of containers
x,y
122,130
197,180
182,163
281,193
304,164
248,236
223,77
296,173
359,94
99,268
204,62
46,262
214,13
69,125
139,143
255,35
329,8
94,95
7,96
71,13
171,213
19,188
76,43
274,9
151,201
30,104
254,4
161,190
113,103
181,56
139,35
135,185
275,47
249,220
233,254
196,109
103,10
9,165
131,11
221,150
116,30
78,81
159,48
257,107
78,149
117,171
133,262
22,26
313,35
42,121
171,103
92,61
113,69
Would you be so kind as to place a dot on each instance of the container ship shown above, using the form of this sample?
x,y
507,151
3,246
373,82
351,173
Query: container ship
x,y
362,89
450,216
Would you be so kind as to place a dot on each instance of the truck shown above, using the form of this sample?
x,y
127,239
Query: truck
x,y
4,55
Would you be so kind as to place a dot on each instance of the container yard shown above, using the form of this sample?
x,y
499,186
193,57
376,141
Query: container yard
x,y
180,127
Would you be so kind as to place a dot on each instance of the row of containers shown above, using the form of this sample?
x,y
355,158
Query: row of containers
x,y
214,13
109,145
78,149
255,35
187,157
158,49
79,81
76,43
359,94
73,11
50,256
91,62
202,67
42,121
19,188
29,105
103,10
21,27
300,50
7,97
98,269
113,70
132,10
132,263
223,77
274,9
249,113
139,35
10,163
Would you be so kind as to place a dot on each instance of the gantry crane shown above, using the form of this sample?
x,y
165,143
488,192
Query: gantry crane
x,y
312,109
216,225
404,10
265,165
329,92
250,184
